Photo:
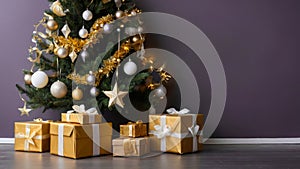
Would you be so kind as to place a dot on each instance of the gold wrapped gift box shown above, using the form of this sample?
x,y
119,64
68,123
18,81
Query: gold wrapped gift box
x,y
32,136
134,147
173,133
79,141
81,118
138,129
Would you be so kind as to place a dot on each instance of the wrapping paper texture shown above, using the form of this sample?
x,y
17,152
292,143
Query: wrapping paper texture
x,y
78,140
81,118
179,125
41,138
133,130
126,147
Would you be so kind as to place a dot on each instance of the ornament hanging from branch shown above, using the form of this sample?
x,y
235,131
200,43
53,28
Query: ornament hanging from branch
x,y
57,8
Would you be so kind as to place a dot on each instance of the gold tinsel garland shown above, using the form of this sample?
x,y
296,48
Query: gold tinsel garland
x,y
109,65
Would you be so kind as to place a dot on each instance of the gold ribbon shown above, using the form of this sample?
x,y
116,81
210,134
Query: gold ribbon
x,y
129,146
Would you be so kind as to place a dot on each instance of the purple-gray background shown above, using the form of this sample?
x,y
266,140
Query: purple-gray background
x,y
258,42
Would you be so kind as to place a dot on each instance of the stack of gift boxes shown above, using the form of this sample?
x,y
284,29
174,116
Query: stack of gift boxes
x,y
81,134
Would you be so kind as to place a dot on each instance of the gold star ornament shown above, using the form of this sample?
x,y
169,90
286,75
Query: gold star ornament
x,y
24,110
115,96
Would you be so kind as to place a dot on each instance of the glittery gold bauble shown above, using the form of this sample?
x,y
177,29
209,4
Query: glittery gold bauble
x,y
52,25
77,94
58,89
27,79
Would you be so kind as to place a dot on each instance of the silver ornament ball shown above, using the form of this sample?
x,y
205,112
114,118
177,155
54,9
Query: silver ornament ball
x,y
119,14
91,78
27,79
94,92
62,52
39,79
87,15
140,29
130,68
83,33
107,28
160,92
58,89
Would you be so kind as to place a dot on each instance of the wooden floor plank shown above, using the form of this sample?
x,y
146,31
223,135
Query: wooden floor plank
x,y
213,157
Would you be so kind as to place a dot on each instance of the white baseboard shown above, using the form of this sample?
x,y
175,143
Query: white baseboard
x,y
253,141
219,141
7,141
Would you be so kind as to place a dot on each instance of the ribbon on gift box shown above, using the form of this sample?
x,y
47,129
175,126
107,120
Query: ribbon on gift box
x,y
162,131
129,146
173,111
81,109
96,139
30,136
40,120
139,123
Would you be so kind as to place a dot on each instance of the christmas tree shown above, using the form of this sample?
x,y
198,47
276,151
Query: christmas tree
x,y
75,57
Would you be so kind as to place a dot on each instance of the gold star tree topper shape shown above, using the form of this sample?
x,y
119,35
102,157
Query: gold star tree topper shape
x,y
115,96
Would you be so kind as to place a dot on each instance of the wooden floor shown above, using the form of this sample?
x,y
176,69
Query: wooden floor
x,y
213,157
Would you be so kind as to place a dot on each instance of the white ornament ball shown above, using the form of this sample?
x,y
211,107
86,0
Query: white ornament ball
x,y
84,54
87,15
77,94
58,89
130,68
94,92
27,79
83,33
160,92
140,29
39,79
91,78
62,52
107,28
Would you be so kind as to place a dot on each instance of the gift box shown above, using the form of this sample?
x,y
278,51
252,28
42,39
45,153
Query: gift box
x,y
126,147
81,116
176,133
32,136
138,129
78,141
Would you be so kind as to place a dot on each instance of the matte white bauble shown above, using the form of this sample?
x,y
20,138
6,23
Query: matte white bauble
x,y
39,79
58,89
87,15
130,68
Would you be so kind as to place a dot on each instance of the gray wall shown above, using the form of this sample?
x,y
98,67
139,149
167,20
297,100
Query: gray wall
x,y
256,40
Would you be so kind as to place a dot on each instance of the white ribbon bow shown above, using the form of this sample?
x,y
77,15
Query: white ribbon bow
x,y
81,109
194,130
173,111
28,137
161,132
